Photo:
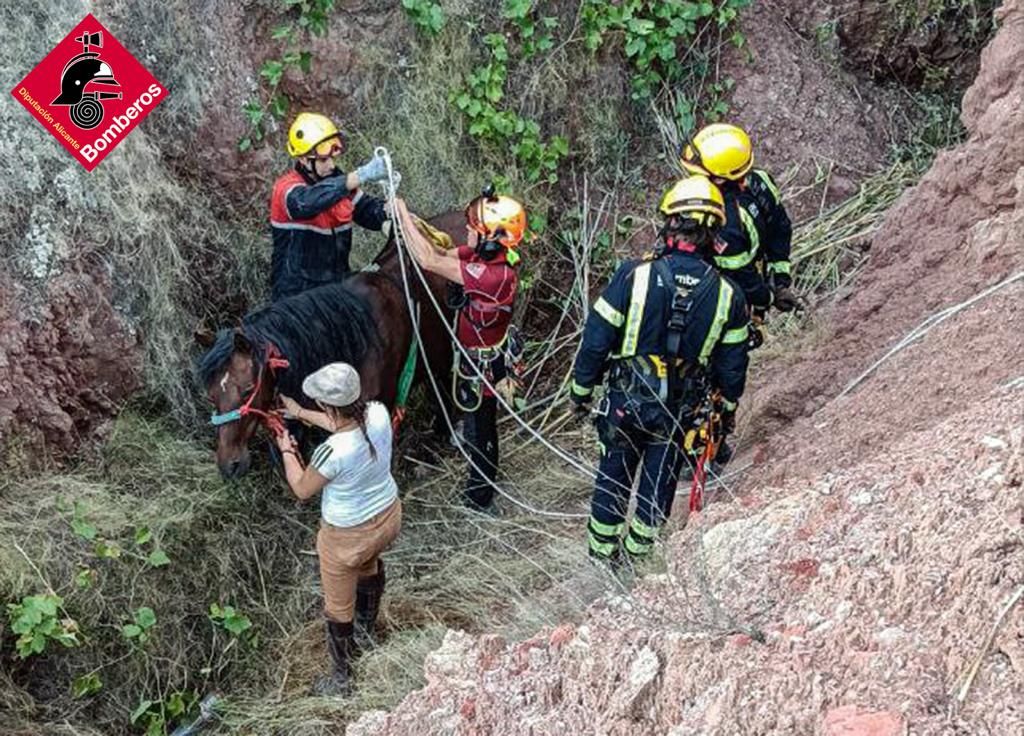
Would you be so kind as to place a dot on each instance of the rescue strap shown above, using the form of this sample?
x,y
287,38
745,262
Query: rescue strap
x,y
683,304
405,379
709,434
270,419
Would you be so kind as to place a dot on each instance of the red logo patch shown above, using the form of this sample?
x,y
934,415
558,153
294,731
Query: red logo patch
x,y
89,92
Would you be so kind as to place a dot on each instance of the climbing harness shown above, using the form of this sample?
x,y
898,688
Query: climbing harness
x,y
270,419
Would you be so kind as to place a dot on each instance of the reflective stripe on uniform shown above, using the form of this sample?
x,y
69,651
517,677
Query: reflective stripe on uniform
x,y
779,267
763,176
736,336
611,315
637,303
640,539
729,405
738,261
580,390
721,317
313,228
603,538
605,530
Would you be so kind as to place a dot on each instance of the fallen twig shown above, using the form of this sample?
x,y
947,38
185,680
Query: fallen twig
x,y
976,667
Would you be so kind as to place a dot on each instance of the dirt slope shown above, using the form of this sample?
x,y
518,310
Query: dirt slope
x,y
876,544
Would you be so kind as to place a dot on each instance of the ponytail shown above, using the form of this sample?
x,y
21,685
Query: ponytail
x,y
359,410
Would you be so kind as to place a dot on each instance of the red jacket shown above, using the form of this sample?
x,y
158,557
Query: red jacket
x,y
490,288
311,226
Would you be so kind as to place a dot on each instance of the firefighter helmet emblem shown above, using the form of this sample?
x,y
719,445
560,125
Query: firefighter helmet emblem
x,y
79,74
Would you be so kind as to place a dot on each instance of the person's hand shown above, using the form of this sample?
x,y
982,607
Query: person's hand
x,y
785,299
373,170
580,406
286,443
728,421
291,406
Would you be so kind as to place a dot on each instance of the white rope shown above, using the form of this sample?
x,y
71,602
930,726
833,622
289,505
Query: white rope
x,y
391,186
922,329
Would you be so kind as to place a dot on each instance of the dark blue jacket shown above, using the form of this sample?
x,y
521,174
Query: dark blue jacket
x,y
757,230
631,319
311,225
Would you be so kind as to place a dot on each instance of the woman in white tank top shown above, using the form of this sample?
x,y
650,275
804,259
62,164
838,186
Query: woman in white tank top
x,y
359,506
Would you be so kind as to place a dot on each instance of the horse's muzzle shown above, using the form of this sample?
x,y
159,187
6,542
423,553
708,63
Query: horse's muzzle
x,y
234,469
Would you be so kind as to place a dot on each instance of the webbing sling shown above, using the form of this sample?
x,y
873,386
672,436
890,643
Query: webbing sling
x,y
679,316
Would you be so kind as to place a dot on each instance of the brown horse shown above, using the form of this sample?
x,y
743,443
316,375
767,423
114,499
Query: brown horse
x,y
363,320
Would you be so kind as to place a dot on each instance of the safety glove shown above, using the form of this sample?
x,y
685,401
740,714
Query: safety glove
x,y
373,170
785,300
728,418
580,406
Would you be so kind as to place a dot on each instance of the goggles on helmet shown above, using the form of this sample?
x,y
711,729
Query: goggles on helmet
x,y
329,148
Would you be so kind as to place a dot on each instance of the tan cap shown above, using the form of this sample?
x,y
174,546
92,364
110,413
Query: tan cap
x,y
336,384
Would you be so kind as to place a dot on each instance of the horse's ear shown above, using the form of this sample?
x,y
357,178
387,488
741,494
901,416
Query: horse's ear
x,y
204,337
242,344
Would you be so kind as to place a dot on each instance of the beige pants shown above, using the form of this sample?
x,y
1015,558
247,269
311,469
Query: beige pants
x,y
349,553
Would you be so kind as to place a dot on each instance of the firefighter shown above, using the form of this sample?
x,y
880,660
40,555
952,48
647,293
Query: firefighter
x,y
755,240
667,330
313,206
485,269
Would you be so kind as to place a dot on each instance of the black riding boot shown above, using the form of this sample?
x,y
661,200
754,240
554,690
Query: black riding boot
x,y
340,645
369,593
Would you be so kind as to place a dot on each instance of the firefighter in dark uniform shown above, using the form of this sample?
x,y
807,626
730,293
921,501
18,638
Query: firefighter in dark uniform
x,y
313,206
485,269
756,238
667,330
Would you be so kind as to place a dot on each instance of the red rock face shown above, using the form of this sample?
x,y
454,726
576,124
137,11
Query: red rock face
x,y
851,721
854,597
67,360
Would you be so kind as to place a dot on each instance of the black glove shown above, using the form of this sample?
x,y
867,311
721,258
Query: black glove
x,y
728,421
785,299
580,406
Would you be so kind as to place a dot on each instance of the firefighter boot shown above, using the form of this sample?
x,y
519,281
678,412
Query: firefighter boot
x,y
369,592
340,646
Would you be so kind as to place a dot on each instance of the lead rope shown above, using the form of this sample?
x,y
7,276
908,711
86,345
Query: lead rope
x,y
390,190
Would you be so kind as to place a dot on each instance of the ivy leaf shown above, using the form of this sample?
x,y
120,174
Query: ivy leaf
x,y
131,631
237,624
272,70
85,579
281,32
107,550
145,617
305,61
84,529
84,685
142,535
158,558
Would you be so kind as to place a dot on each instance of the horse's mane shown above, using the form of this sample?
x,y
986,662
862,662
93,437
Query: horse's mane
x,y
311,329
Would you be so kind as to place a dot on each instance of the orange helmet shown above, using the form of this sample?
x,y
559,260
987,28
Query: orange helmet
x,y
498,218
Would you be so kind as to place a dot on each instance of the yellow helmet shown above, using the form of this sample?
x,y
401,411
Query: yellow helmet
x,y
498,218
697,198
719,149
309,130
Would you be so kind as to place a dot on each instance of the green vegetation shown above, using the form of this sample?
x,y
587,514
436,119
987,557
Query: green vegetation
x,y
302,18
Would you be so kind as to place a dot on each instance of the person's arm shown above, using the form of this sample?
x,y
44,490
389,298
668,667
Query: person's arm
x,y
305,201
370,212
303,483
729,359
779,230
423,251
309,416
601,333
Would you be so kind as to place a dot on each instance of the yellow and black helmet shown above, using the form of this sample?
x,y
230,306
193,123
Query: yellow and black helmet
x,y
313,131
721,150
696,198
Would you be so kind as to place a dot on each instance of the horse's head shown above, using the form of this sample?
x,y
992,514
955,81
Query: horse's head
x,y
240,389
